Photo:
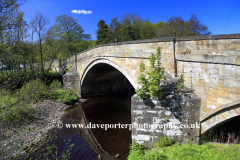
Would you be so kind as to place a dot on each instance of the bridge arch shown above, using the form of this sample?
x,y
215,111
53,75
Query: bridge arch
x,y
104,63
111,63
219,115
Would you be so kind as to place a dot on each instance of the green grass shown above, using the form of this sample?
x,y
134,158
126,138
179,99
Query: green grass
x,y
187,151
164,141
15,106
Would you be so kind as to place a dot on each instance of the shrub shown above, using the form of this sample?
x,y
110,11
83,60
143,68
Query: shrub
x,y
6,98
62,95
54,73
17,114
55,85
67,97
136,151
33,90
150,80
16,107
12,112
188,151
164,141
154,154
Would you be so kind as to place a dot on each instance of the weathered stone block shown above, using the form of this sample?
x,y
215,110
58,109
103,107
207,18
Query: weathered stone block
x,y
233,96
206,109
223,101
71,81
218,92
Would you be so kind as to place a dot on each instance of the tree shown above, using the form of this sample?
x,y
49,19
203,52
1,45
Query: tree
x,y
39,24
131,27
130,18
195,27
147,30
103,33
115,27
126,33
137,26
68,29
175,26
159,29
53,46
18,36
8,9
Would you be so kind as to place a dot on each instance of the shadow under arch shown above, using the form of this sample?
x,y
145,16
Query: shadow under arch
x,y
111,63
103,76
221,122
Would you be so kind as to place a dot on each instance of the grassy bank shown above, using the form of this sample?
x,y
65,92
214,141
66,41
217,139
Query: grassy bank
x,y
28,105
16,102
187,151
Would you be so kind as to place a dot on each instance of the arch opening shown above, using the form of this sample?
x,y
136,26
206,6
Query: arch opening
x,y
108,92
227,131
103,79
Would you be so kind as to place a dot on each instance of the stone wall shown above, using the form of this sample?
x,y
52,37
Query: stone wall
x,y
179,108
71,81
55,65
126,57
210,64
216,84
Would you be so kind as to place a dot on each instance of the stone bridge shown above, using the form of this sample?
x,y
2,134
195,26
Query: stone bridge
x,y
210,66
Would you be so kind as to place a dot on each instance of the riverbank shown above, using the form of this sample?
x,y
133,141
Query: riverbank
x,y
16,138
186,151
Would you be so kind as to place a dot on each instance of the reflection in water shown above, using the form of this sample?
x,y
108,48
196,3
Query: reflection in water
x,y
111,109
80,137
107,109
83,148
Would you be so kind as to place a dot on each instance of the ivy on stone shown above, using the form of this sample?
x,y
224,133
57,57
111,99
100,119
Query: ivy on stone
x,y
150,80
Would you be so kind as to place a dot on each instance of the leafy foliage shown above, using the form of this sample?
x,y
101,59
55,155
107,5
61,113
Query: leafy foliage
x,y
103,33
164,141
55,85
64,96
15,105
188,151
136,151
180,84
133,27
150,80
195,27
70,31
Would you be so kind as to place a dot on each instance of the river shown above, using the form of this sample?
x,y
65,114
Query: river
x,y
106,109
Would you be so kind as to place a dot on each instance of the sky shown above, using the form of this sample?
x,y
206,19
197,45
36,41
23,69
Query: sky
x,y
220,16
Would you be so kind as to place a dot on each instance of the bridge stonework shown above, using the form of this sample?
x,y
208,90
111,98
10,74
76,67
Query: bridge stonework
x,y
210,65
